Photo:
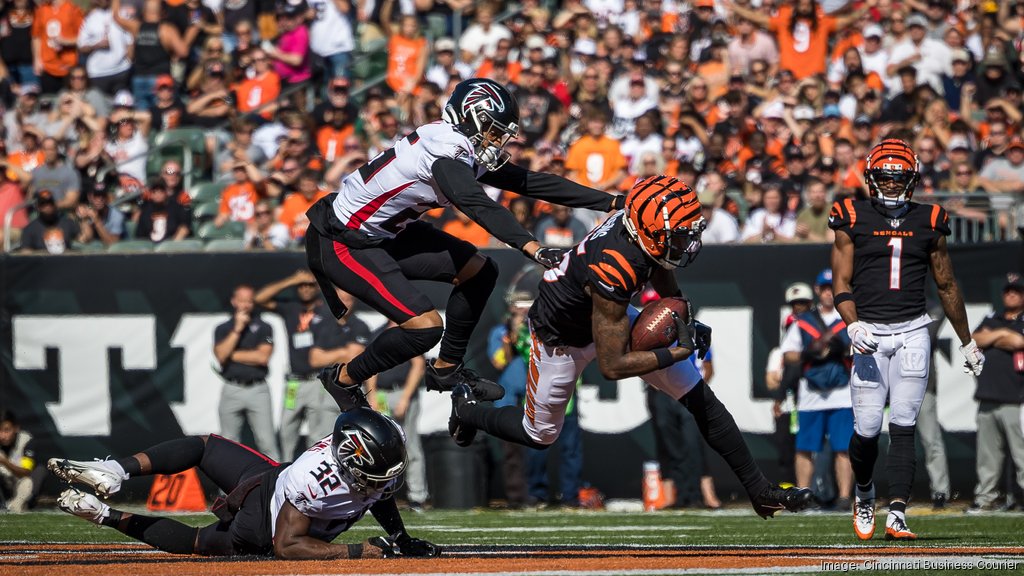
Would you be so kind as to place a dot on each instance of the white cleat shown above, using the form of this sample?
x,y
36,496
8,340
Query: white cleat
x,y
83,505
103,476
864,515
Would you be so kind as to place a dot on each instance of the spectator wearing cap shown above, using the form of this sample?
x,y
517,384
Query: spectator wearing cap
x,y
173,179
50,231
802,32
963,74
16,41
480,39
772,223
97,220
720,226
57,176
263,232
331,137
1000,393
157,42
645,139
1006,175
812,220
290,51
168,110
750,44
407,53
799,299
331,37
239,149
106,48
159,219
337,102
996,138
25,112
260,88
446,64
636,103
596,159
213,102
55,29
992,81
901,106
930,57
127,146
541,114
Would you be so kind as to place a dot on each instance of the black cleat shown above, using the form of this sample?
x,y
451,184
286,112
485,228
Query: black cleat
x,y
773,498
483,389
462,433
347,397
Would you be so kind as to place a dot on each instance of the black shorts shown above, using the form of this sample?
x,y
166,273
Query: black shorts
x,y
228,464
381,275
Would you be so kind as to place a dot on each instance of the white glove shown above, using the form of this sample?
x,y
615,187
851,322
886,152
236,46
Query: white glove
x,y
975,359
864,342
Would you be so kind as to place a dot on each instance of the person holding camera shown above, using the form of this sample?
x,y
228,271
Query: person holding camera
x,y
816,351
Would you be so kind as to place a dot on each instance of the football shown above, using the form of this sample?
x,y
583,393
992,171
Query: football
x,y
654,327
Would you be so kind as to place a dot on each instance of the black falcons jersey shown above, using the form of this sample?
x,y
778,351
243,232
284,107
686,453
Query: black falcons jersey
x,y
891,256
608,261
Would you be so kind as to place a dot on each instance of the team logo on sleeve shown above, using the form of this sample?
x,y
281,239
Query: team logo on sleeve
x,y
482,96
353,449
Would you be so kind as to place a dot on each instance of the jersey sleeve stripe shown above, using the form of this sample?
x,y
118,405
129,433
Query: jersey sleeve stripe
x,y
620,280
935,215
849,210
601,274
624,264
837,211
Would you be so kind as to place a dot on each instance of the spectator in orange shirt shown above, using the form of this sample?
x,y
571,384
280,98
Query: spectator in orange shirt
x,y
595,159
238,200
261,86
55,42
31,154
293,209
331,139
464,228
407,53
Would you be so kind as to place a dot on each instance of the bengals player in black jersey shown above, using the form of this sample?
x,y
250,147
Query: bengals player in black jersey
x,y
582,312
883,250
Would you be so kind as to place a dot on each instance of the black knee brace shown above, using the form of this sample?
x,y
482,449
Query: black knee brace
x,y
465,305
394,346
863,454
902,461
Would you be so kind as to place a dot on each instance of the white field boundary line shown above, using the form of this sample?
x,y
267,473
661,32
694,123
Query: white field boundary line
x,y
505,548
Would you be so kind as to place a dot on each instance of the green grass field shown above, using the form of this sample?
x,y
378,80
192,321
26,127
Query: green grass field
x,y
734,528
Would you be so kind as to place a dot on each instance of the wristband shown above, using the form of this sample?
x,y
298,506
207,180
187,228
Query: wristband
x,y
664,356
842,297
355,551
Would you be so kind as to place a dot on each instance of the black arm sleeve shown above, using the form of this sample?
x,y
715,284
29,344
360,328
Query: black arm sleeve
x,y
458,183
547,187
385,512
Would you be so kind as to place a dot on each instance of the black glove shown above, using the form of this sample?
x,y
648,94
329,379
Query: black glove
x,y
549,257
414,547
618,203
684,331
701,338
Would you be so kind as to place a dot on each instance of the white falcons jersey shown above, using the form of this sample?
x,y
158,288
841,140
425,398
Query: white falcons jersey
x,y
316,487
397,186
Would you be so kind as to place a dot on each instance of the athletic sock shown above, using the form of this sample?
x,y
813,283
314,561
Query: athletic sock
x,y
162,533
112,519
168,457
443,371
125,473
394,346
863,453
899,508
866,491
902,461
465,306
719,430
505,422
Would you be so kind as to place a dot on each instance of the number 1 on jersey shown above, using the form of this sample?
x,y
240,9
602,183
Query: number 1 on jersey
x,y
894,262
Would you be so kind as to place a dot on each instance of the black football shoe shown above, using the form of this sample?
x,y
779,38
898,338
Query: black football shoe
x,y
461,432
483,389
347,397
773,498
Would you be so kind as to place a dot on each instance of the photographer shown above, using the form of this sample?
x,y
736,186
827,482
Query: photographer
x,y
816,351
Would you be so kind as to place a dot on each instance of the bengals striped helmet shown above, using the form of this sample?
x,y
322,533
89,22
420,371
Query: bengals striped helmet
x,y
663,216
892,172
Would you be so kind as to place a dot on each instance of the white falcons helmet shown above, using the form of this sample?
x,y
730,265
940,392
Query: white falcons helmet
x,y
488,114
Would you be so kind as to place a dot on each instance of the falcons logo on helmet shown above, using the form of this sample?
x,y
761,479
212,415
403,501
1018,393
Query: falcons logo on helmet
x,y
353,448
484,96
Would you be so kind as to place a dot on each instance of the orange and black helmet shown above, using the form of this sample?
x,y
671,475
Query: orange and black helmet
x,y
892,172
663,215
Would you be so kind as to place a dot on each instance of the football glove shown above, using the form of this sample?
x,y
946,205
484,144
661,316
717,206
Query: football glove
x,y
864,342
684,333
618,202
549,257
975,359
701,338
401,545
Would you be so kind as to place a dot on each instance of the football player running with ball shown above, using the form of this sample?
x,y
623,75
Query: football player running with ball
x,y
582,312
367,240
883,250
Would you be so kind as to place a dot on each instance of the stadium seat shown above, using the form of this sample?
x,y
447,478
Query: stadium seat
x,y
207,230
205,211
225,245
131,246
206,192
129,228
187,245
90,247
186,144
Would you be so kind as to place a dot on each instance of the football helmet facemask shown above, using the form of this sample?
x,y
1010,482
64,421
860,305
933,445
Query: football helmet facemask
x,y
892,172
369,448
663,215
488,115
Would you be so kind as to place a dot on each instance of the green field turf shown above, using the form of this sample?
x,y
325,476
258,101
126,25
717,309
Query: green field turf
x,y
737,527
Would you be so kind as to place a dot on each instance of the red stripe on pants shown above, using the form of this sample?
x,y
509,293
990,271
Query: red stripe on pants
x,y
345,257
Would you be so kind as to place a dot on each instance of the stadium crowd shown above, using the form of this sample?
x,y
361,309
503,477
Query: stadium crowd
x,y
181,119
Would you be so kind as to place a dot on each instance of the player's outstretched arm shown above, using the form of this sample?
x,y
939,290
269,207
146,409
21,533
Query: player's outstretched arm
x,y
551,188
611,337
292,540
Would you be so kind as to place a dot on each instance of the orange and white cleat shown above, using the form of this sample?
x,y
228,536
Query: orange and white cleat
x,y
864,515
896,528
